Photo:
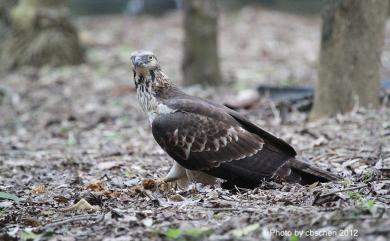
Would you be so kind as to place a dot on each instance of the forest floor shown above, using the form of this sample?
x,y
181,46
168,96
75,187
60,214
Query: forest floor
x,y
77,133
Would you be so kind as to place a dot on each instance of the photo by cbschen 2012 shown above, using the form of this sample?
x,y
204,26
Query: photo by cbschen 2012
x,y
190,120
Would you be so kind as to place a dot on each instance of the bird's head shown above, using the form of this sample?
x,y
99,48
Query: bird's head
x,y
148,76
144,62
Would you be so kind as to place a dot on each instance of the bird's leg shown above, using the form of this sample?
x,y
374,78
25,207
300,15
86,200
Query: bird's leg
x,y
177,172
200,177
192,180
177,175
183,177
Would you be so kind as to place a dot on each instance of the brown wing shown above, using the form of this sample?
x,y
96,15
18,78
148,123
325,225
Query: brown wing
x,y
195,137
192,104
200,142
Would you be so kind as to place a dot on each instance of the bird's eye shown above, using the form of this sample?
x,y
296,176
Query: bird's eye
x,y
150,57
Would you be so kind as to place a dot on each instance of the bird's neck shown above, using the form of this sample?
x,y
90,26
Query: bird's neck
x,y
152,88
145,92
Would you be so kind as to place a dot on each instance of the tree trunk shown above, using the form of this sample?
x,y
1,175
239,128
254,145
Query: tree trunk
x,y
41,34
350,57
201,62
5,21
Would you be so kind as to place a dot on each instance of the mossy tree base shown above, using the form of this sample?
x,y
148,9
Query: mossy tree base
x,y
41,35
5,21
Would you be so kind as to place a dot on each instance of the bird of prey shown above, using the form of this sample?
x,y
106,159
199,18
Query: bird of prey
x,y
209,140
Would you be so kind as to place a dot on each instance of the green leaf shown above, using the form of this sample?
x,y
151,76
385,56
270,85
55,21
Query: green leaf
x,y
361,201
71,141
354,195
9,196
65,130
173,233
368,203
28,235
197,232
115,136
293,237
239,232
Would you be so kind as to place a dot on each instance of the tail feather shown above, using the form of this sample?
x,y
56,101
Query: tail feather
x,y
268,165
309,174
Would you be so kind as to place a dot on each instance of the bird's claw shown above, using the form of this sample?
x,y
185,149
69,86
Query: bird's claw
x,y
164,186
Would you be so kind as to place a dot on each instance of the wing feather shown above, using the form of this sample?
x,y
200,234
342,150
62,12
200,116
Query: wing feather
x,y
205,136
201,142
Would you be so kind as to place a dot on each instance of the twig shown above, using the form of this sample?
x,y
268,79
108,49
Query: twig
x,y
383,200
73,219
380,231
225,209
344,190
356,218
383,179
149,194
275,112
153,199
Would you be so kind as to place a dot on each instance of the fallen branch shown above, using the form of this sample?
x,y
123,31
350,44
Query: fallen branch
x,y
226,209
73,219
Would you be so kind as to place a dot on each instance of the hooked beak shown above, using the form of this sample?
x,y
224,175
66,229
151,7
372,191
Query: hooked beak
x,y
137,62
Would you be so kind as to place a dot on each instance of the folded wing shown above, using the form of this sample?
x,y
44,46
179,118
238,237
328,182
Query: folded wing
x,y
207,137
199,142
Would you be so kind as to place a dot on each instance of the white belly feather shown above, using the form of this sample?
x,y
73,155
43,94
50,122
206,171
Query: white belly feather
x,y
149,103
153,109
161,109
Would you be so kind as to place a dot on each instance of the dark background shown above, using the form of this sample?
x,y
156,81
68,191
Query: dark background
x,y
88,7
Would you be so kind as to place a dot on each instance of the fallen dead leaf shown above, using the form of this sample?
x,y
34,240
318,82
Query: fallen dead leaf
x,y
81,205
135,190
177,198
113,194
239,232
31,221
164,187
245,99
95,186
108,165
38,189
148,183
147,222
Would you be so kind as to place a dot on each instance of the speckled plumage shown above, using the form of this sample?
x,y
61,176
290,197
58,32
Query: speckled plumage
x,y
208,138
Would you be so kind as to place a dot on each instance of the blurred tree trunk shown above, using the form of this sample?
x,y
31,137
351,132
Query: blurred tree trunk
x,y
201,62
350,57
41,34
5,21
